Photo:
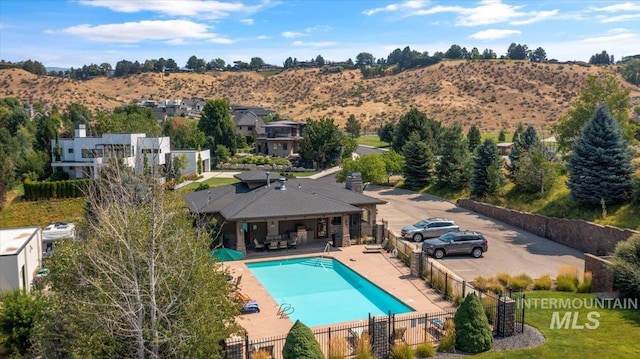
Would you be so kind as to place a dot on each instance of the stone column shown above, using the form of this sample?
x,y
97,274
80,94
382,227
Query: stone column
x,y
506,317
416,258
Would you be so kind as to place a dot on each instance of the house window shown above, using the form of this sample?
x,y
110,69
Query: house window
x,y
249,128
284,146
70,150
336,221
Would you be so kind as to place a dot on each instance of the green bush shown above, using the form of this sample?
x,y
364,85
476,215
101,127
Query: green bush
x,y
18,313
520,282
473,334
490,305
448,340
585,286
401,351
301,343
626,267
425,350
503,278
542,283
567,280
363,347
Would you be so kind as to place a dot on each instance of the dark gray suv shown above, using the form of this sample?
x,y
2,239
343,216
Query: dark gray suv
x,y
456,242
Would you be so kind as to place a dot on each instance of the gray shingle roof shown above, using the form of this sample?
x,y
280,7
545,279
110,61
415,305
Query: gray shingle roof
x,y
302,197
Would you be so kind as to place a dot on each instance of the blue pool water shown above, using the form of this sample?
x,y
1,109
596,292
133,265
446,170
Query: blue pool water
x,y
323,291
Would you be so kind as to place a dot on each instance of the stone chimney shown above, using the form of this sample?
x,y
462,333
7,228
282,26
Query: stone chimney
x,y
268,179
354,181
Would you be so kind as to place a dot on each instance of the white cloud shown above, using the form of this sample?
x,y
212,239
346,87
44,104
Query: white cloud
x,y
536,17
494,34
154,30
612,36
619,18
247,21
314,44
628,6
262,37
196,8
407,5
292,34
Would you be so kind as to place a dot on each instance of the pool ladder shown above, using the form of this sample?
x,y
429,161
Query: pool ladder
x,y
285,309
327,249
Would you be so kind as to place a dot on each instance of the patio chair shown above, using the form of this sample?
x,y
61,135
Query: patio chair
x,y
283,244
293,242
258,246
273,245
237,283
398,335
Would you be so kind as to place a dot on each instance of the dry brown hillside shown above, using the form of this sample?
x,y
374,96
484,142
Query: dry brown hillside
x,y
492,94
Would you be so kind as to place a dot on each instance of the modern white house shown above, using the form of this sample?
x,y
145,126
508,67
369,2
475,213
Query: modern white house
x,y
82,156
20,257
192,158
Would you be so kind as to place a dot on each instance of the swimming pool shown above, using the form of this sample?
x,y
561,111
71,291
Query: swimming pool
x,y
323,290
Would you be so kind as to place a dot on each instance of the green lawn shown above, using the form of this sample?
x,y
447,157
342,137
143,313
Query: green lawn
x,y
373,141
617,335
212,182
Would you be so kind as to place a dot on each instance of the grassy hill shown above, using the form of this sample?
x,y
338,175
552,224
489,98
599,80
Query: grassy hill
x,y
492,94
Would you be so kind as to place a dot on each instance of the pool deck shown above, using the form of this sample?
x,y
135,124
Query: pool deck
x,y
380,268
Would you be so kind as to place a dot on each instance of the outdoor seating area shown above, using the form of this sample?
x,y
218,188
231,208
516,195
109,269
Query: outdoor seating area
x,y
248,305
276,242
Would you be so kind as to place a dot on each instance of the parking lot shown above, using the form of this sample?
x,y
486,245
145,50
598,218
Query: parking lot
x,y
511,250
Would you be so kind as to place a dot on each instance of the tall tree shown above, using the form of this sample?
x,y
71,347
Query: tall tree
x,y
419,159
454,52
525,142
418,122
196,64
518,52
534,172
630,72
487,170
605,87
217,124
320,61
141,283
538,55
256,63
365,59
322,142
600,167
473,138
353,126
385,132
454,167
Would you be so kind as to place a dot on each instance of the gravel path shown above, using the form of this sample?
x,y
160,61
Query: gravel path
x,y
529,339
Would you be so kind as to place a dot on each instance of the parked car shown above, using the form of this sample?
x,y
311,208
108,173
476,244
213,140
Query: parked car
x,y
456,242
428,228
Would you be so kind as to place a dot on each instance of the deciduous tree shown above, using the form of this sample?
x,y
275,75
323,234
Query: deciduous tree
x,y
217,124
322,142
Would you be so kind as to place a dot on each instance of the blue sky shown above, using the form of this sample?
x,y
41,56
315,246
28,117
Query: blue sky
x,y
77,32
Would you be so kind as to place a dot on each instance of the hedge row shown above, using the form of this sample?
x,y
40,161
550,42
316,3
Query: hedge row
x,y
34,191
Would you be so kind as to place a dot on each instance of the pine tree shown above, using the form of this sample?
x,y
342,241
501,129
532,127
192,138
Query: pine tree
x,y
353,126
473,334
301,343
474,138
487,170
526,141
454,167
418,162
600,168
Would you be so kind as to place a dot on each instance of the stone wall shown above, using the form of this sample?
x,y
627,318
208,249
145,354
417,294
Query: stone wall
x,y
587,237
602,274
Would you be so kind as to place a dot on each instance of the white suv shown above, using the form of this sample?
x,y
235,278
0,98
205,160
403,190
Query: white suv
x,y
428,228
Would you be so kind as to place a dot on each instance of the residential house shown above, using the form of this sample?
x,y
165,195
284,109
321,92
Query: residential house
x,y
192,157
20,257
280,138
261,207
82,156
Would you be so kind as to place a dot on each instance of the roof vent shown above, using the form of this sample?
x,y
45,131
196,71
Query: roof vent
x,y
282,181
268,179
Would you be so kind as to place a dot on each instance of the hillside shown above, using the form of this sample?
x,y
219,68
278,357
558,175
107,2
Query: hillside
x,y
491,94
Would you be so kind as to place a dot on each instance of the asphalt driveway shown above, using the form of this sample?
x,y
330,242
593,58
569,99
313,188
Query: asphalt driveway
x,y
511,250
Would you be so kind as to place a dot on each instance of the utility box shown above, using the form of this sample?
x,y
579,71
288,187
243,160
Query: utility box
x,y
337,239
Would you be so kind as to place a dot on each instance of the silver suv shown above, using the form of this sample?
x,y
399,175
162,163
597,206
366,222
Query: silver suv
x,y
457,242
428,228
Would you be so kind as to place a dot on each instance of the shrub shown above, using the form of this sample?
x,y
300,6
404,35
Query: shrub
x,y
202,186
585,286
401,351
337,348
19,311
567,280
301,343
425,350
448,340
542,283
626,267
363,347
490,308
520,282
503,278
473,334
261,354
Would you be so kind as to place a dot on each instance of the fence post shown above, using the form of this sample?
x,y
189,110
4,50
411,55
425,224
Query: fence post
x,y
246,345
523,306
464,288
446,284
431,274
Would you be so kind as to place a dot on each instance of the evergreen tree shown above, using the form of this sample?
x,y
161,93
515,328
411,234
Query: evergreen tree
x,y
418,162
454,167
517,133
301,343
487,170
473,334
502,136
600,168
416,121
386,132
473,138
525,142
353,126
216,123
